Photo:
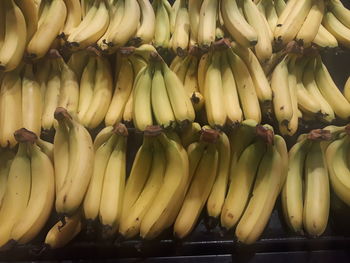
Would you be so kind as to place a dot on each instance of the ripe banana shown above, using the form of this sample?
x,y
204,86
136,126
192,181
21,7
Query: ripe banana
x,y
17,193
242,179
236,24
317,193
74,15
31,14
48,30
80,164
41,199
14,37
340,11
181,34
347,89
5,164
337,29
267,187
146,29
207,22
325,39
162,25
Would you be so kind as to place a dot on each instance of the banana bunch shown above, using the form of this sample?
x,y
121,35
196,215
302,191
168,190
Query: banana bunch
x,y
59,87
50,17
209,159
159,96
128,67
131,21
230,93
96,90
337,21
73,162
337,158
257,176
28,190
303,88
162,30
186,68
104,198
13,35
156,185
306,193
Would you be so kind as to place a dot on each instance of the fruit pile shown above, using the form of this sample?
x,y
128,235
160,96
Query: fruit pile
x,y
213,89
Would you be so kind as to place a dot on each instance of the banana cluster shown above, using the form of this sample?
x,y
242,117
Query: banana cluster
x,y
259,161
317,159
304,88
27,192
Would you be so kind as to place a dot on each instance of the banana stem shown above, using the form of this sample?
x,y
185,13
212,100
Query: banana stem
x,y
209,135
266,134
23,135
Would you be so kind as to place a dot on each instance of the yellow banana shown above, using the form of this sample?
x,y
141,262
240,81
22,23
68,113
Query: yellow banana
x,y
207,22
337,29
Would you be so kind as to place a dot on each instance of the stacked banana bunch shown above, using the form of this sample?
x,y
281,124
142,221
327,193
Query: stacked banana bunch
x,y
156,185
259,161
304,88
317,159
27,192
160,97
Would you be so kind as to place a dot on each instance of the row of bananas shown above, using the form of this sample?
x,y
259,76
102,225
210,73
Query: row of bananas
x,y
303,88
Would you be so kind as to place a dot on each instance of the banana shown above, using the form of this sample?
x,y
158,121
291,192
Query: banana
x,y
122,91
263,48
11,107
87,83
340,11
31,14
48,30
128,110
52,92
311,86
74,15
290,25
114,185
162,25
325,39
306,101
194,9
203,66
15,36
138,63
93,31
130,225
41,199
236,24
207,22
217,195
46,147
145,31
59,236
2,23
180,102
262,86
69,92
31,101
317,193
173,13
161,106
190,80
198,192
292,192
5,164
139,174
280,5
214,93
267,8
337,158
280,87
245,87
17,193
102,94
311,25
176,173
120,35
337,29
347,89
242,179
80,164
182,68
330,91
142,107
92,198
230,93
266,190
181,35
